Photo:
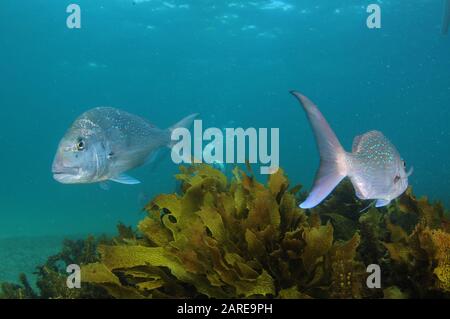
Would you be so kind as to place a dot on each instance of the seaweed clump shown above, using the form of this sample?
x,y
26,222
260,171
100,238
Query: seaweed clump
x,y
240,238
52,276
215,239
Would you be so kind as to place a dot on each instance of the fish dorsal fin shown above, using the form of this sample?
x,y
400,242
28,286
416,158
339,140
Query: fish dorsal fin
x,y
125,179
356,142
367,140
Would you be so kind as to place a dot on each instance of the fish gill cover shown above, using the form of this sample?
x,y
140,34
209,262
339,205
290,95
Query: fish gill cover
x,y
239,238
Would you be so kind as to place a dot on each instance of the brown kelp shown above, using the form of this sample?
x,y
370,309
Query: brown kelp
x,y
236,237
52,276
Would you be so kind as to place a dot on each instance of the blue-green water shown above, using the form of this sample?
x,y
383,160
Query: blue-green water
x,y
234,63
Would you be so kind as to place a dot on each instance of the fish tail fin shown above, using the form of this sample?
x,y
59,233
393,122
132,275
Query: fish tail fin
x,y
184,123
333,167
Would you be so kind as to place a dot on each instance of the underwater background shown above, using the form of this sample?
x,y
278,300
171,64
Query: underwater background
x,y
231,61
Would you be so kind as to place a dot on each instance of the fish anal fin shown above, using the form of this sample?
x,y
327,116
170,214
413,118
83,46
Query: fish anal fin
x,y
382,202
125,179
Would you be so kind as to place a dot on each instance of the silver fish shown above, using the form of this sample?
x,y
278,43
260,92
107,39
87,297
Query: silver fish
x,y
104,143
374,166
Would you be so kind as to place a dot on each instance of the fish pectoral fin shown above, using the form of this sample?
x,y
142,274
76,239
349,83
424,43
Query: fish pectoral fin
x,y
382,202
125,179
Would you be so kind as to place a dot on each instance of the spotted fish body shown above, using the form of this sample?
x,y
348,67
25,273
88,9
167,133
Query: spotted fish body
x,y
374,166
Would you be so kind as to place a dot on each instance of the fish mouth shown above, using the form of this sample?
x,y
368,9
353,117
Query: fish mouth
x,y
65,174
66,171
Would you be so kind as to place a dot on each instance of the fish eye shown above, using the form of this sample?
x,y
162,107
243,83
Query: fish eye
x,y
80,145
404,164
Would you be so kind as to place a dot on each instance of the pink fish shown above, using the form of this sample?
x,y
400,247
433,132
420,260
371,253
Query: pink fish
x,y
374,166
